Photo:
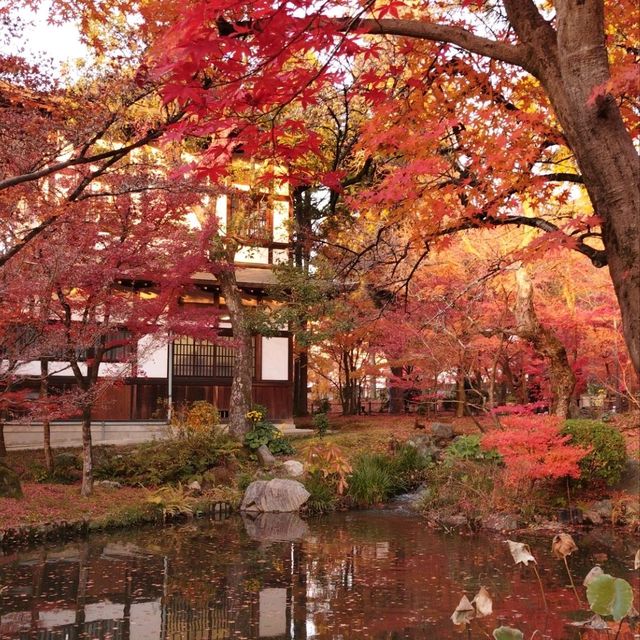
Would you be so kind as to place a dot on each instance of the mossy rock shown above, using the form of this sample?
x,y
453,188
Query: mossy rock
x,y
9,483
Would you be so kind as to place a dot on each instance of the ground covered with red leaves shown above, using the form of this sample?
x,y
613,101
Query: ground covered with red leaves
x,y
58,502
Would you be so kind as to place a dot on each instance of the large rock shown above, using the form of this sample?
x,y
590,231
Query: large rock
x,y
424,445
277,495
9,483
293,468
501,522
441,431
265,457
604,508
592,517
275,527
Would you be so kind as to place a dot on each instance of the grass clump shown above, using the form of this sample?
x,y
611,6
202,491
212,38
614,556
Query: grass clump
x,y
372,479
608,457
323,498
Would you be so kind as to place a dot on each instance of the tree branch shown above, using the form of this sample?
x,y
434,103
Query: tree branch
x,y
598,257
457,36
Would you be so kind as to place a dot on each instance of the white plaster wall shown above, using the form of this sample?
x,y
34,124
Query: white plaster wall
x,y
221,212
275,358
280,256
253,255
152,359
280,221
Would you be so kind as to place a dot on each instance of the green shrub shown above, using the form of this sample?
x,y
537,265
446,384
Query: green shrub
x,y
608,457
323,498
266,433
321,423
469,448
372,479
169,461
67,468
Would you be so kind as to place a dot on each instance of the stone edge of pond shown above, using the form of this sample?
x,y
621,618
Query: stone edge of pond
x,y
63,530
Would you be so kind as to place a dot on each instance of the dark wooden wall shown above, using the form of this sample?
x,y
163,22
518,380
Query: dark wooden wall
x,y
145,399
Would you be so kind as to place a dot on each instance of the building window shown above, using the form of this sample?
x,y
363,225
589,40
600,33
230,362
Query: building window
x,y
197,358
119,346
250,217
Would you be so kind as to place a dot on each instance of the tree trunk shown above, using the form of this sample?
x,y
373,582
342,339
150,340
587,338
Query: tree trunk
x,y
396,392
461,396
572,63
545,342
87,453
3,446
46,427
240,401
300,382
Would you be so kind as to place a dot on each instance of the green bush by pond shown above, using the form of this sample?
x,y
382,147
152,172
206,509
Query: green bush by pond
x,y
608,457
169,461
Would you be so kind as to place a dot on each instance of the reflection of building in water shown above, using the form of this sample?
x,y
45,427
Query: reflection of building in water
x,y
111,591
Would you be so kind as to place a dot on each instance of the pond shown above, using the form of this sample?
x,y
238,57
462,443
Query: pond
x,y
378,574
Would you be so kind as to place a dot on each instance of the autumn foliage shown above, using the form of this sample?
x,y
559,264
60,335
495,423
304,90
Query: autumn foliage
x,y
534,449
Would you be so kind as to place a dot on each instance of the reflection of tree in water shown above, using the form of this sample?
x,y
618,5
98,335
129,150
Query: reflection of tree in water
x,y
358,575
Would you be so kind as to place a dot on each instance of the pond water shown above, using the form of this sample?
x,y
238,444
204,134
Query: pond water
x,y
364,574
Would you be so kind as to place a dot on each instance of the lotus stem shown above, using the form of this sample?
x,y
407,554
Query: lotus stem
x,y
544,598
619,629
573,586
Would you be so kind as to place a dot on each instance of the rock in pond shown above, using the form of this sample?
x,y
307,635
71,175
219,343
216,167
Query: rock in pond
x,y
293,468
275,527
265,457
9,483
277,495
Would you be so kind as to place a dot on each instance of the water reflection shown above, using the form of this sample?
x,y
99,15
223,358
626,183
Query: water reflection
x,y
379,575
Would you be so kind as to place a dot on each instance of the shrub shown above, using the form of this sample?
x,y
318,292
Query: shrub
x,y
329,461
321,423
533,448
608,456
67,468
265,433
197,418
172,501
323,496
470,448
169,461
408,468
462,487
372,479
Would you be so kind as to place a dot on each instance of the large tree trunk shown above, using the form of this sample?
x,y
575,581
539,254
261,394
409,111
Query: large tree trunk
x,y
545,342
46,426
87,452
241,385
571,63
